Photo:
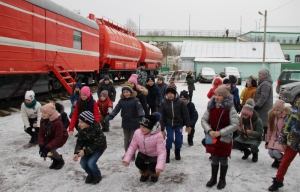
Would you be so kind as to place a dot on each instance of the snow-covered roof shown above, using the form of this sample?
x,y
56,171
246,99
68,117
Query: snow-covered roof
x,y
232,51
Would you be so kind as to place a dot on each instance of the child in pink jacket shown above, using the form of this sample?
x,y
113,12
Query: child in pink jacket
x,y
148,139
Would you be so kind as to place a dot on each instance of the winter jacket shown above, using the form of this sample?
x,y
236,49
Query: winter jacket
x,y
228,120
64,117
74,98
105,107
142,76
215,84
154,95
90,105
236,98
193,113
264,98
131,111
152,144
56,137
162,88
109,88
91,140
255,137
249,93
174,113
190,82
31,113
272,137
242,94
290,133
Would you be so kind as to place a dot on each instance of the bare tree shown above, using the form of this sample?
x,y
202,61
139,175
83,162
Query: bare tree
x,y
131,26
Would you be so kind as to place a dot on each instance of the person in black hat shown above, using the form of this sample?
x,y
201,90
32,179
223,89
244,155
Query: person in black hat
x,y
154,95
107,84
151,145
74,97
174,116
192,112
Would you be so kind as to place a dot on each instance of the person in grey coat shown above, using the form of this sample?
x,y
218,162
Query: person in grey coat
x,y
132,112
264,97
142,74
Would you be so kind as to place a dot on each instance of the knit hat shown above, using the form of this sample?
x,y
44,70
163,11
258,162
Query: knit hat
x,y
217,81
50,110
86,90
223,90
279,105
150,78
161,78
29,95
142,63
157,115
106,78
128,88
226,81
172,89
104,93
264,71
232,79
133,79
184,94
148,121
77,85
248,108
87,117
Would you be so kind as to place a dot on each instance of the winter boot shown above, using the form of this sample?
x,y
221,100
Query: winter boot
x,y
168,156
275,164
276,185
222,181
54,161
89,179
144,175
59,163
254,157
214,174
177,154
96,179
154,177
190,140
247,152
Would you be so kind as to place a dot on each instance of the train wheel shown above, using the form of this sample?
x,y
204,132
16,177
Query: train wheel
x,y
55,84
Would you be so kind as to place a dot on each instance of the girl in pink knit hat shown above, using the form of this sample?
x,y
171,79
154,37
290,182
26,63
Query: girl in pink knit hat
x,y
52,135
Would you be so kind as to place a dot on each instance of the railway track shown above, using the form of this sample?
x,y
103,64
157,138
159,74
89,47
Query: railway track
x,y
10,106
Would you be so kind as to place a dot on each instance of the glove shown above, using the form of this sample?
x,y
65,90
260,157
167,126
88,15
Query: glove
x,y
43,151
109,118
140,118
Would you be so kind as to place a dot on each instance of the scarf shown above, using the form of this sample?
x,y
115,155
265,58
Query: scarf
x,y
47,124
31,105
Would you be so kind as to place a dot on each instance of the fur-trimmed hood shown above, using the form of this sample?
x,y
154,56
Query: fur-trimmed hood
x,y
133,95
227,103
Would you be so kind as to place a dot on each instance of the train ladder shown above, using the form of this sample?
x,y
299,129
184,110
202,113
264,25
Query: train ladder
x,y
63,76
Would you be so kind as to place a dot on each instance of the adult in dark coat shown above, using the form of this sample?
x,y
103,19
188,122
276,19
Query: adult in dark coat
x,y
264,97
107,84
190,82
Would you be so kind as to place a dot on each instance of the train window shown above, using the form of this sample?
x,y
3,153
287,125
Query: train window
x,y
77,40
297,59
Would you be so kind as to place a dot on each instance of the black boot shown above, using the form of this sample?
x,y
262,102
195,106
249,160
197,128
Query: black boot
x,y
59,163
168,156
254,157
54,161
144,175
214,174
222,181
177,154
89,179
247,152
275,164
276,185
190,140
96,179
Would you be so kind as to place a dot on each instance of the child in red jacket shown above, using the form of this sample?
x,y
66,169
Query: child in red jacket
x,y
52,135
105,107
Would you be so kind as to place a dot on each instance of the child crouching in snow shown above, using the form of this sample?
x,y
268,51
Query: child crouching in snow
x,y
148,139
52,135
220,120
90,145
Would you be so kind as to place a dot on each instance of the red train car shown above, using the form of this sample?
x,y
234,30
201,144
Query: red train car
x,y
45,47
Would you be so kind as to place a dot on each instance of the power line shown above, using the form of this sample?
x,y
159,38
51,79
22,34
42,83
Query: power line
x,y
281,6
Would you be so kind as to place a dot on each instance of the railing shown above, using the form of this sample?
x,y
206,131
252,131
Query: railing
x,y
186,33
271,37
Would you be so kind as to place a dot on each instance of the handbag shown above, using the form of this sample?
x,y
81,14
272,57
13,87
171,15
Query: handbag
x,y
209,140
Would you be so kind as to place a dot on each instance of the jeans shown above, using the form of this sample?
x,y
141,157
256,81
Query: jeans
x,y
104,123
89,163
170,136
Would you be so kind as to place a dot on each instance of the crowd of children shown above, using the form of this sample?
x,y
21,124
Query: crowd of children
x,y
48,126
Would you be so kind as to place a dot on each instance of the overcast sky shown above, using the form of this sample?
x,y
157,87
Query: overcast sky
x,y
203,14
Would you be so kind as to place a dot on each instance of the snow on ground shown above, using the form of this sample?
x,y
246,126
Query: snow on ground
x,y
22,169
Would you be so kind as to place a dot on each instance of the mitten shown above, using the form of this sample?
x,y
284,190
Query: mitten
x,y
43,151
109,118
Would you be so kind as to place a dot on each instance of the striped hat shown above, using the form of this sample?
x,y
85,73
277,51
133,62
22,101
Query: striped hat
x,y
128,88
87,117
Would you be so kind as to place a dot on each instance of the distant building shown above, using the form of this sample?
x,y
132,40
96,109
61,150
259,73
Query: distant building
x,y
246,56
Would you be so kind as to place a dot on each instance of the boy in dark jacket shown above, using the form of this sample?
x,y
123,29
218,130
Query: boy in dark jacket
x,y
174,114
107,84
192,112
154,94
64,117
52,135
90,145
